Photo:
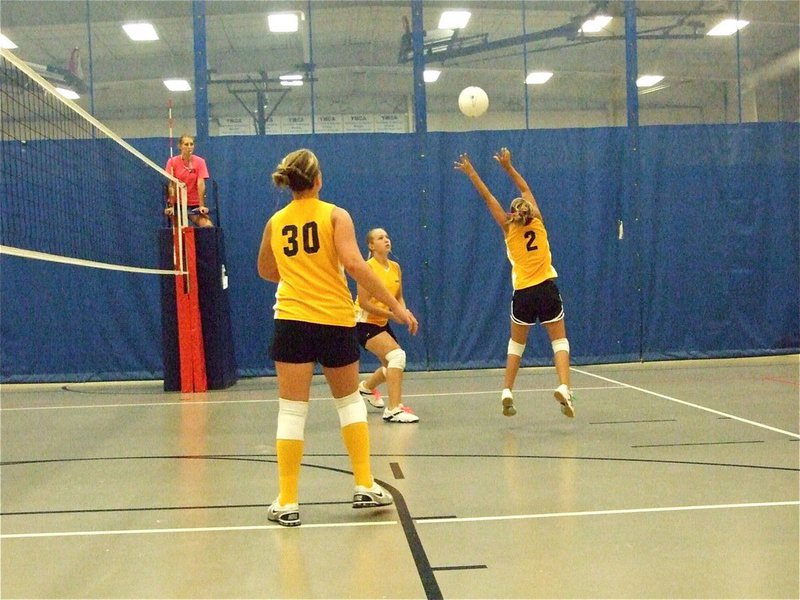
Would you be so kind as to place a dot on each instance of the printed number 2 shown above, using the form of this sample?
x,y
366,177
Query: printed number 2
x,y
530,236
310,239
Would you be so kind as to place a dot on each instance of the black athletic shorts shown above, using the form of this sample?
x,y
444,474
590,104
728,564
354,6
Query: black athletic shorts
x,y
540,302
366,331
301,342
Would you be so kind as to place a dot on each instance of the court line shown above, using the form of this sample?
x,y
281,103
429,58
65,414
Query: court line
x,y
690,404
621,511
271,400
56,534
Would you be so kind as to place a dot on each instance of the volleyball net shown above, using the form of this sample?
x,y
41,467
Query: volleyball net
x,y
72,190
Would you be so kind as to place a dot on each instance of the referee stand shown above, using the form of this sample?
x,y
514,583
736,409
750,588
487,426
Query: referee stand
x,y
197,337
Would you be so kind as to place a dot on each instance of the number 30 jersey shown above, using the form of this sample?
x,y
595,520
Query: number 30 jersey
x,y
529,253
312,286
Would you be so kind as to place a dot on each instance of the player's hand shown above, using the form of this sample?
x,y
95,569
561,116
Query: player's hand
x,y
409,319
503,156
169,211
203,210
464,164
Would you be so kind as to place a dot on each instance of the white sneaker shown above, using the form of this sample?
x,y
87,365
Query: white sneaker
x,y
372,396
371,497
507,398
564,396
287,515
401,414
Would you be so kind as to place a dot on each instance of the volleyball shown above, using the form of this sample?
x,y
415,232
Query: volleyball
x,y
473,101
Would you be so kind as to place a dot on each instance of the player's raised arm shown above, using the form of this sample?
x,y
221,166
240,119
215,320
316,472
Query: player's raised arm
x,y
503,157
464,165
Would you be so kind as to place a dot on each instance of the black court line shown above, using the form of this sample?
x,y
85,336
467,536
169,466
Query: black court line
x,y
396,470
698,444
460,568
436,517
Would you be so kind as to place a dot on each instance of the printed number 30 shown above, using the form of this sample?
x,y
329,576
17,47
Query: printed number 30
x,y
310,239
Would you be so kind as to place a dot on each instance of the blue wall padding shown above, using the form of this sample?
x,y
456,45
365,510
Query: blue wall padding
x,y
708,265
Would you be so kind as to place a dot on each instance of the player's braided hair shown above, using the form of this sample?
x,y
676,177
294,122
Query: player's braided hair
x,y
521,212
298,170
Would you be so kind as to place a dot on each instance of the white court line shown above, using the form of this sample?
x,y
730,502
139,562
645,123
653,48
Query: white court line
x,y
622,511
56,534
269,400
691,404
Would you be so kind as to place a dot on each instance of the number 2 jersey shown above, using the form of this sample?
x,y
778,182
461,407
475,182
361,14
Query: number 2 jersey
x,y
312,286
528,251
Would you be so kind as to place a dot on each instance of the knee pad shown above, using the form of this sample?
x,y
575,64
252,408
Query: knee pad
x,y
351,409
291,419
515,348
561,345
396,359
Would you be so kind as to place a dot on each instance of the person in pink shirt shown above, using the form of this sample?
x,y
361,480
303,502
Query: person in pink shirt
x,y
191,170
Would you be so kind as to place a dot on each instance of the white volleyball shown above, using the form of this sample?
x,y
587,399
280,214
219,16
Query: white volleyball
x,y
473,101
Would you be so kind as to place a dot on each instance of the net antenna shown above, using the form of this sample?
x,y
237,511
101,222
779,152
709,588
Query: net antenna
x,y
73,191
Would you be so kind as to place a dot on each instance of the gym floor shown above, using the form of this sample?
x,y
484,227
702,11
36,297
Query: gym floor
x,y
675,480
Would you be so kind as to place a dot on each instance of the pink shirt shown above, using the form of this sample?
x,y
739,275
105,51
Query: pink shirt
x,y
188,174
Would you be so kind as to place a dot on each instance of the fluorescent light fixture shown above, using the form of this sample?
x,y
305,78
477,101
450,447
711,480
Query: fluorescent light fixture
x,y
728,27
430,75
291,80
67,93
177,85
596,24
285,22
538,77
140,32
648,80
7,43
454,19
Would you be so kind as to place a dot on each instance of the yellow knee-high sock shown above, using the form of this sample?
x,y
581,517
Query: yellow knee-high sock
x,y
289,447
356,440
290,455
353,420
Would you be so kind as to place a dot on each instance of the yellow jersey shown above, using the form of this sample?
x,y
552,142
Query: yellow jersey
x,y
528,251
312,287
392,278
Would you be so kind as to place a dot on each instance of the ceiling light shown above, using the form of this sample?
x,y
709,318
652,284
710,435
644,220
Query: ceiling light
x,y
285,22
538,77
430,75
7,43
728,27
177,85
454,19
140,32
648,80
67,93
596,24
291,82
291,77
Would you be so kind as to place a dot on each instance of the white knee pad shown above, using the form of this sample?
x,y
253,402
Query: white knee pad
x,y
515,348
351,409
396,359
561,345
291,419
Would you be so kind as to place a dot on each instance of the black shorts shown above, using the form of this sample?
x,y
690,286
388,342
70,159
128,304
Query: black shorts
x,y
301,342
366,331
540,302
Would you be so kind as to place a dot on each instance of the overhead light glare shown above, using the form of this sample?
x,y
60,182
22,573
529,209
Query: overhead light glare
x,y
430,75
68,93
728,27
141,32
538,77
291,82
454,19
285,22
177,85
7,43
648,80
291,77
596,24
